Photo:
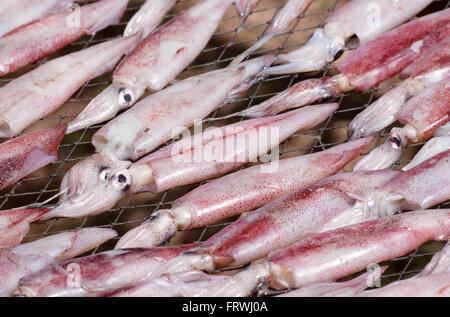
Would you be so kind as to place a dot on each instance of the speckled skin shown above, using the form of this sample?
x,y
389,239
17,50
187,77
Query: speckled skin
x,y
241,191
14,225
169,172
425,185
421,115
251,188
159,58
101,272
31,257
39,39
152,121
433,280
391,52
334,254
36,94
25,154
294,216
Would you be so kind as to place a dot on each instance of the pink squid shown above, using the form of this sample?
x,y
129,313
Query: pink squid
x,y
433,280
152,121
190,160
38,93
365,67
31,257
430,68
367,19
290,11
198,284
15,223
156,61
421,115
319,258
39,39
27,153
100,272
241,191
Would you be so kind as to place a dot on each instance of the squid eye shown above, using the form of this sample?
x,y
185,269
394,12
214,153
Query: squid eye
x,y
122,180
126,97
104,173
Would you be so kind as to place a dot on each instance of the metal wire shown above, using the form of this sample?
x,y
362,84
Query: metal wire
x,y
226,43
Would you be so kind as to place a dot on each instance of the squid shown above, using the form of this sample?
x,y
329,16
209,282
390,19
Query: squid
x,y
245,7
198,284
14,14
157,60
241,191
99,273
133,133
339,289
322,257
280,23
148,18
15,224
433,280
31,257
27,153
366,19
38,93
187,161
432,67
337,201
421,116
438,144
365,67
39,39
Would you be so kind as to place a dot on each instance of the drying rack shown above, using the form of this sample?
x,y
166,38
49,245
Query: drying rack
x,y
229,40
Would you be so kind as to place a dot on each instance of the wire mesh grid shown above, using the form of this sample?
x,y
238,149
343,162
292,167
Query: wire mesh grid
x,y
229,40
